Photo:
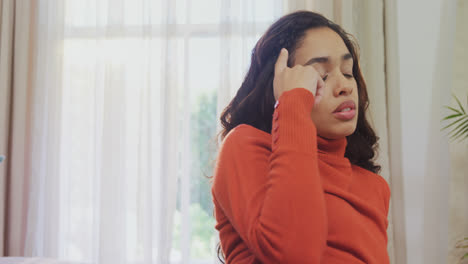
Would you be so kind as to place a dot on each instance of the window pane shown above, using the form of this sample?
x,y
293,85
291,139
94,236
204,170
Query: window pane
x,y
181,11
134,12
264,10
81,13
205,12
102,13
83,88
79,159
202,83
204,66
134,57
204,62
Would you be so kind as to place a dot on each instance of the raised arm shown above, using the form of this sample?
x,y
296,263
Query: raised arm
x,y
275,202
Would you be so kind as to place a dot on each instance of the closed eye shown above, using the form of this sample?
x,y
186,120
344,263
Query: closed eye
x,y
348,76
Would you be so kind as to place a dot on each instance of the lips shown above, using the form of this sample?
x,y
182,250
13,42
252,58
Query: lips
x,y
345,104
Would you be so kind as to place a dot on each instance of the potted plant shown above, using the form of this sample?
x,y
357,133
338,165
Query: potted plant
x,y
459,129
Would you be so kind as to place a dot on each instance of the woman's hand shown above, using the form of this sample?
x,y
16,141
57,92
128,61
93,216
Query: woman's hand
x,y
296,77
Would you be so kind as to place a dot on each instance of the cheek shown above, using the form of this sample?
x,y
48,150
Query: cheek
x,y
319,115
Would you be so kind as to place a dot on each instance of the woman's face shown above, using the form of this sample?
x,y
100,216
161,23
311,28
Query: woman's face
x,y
324,49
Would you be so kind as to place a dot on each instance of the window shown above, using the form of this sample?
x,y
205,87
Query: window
x,y
117,45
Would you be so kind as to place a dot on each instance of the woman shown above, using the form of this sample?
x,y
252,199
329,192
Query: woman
x,y
295,180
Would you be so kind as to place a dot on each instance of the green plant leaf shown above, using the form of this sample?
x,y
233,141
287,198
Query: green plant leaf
x,y
460,126
466,136
453,109
454,122
464,256
463,131
459,104
451,116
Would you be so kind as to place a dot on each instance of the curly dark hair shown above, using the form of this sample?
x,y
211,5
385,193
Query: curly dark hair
x,y
254,101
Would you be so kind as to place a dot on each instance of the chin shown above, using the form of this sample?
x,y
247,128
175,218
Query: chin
x,y
338,132
350,132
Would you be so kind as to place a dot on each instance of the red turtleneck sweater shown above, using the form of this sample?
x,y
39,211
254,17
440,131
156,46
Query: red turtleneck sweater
x,y
292,197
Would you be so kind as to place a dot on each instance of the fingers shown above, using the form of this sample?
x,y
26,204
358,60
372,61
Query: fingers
x,y
319,91
320,83
282,61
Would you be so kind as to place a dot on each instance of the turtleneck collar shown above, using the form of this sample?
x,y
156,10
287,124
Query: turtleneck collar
x,y
333,147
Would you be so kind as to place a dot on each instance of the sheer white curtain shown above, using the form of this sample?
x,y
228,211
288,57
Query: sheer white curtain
x,y
124,123
125,105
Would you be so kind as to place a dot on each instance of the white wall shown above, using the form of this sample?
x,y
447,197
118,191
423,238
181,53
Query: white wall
x,y
425,31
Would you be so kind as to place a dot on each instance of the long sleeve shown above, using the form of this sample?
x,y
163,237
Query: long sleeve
x,y
239,253
276,204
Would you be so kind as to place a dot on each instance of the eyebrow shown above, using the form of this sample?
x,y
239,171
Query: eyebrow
x,y
346,56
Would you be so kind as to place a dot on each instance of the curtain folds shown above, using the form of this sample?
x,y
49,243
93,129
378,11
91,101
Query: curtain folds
x,y
16,60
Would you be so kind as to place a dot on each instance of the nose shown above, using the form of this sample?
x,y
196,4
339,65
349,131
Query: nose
x,y
342,86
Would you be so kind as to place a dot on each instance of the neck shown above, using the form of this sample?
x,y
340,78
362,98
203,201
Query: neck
x,y
335,147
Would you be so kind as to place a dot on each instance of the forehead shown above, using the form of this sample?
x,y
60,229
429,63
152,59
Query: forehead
x,y
320,42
